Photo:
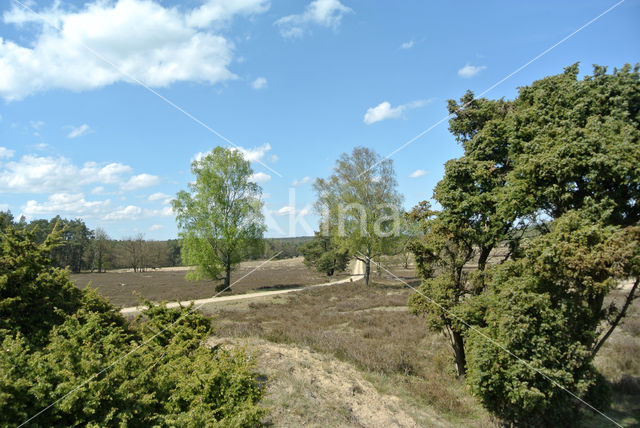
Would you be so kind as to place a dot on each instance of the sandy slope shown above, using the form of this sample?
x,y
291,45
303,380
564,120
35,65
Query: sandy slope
x,y
306,388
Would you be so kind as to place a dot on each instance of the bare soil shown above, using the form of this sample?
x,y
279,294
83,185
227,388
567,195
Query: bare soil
x,y
306,388
126,288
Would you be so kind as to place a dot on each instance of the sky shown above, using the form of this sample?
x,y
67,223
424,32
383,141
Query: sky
x,y
105,104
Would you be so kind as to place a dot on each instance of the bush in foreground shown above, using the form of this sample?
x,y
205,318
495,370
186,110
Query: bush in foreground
x,y
72,348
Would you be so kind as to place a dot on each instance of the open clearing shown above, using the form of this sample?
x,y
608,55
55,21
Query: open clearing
x,y
126,288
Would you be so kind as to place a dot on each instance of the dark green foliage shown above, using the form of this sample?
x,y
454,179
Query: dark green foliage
x,y
60,343
545,308
33,296
325,256
554,175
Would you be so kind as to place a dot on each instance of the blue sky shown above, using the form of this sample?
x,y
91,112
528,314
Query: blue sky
x,y
293,84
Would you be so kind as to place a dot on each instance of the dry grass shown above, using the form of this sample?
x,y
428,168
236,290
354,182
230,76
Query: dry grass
x,y
124,288
618,361
371,328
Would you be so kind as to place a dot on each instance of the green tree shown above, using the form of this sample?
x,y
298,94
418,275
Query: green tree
x,y
221,215
360,205
562,158
153,372
323,255
101,248
547,309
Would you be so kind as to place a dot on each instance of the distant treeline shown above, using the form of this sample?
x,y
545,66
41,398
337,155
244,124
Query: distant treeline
x,y
84,249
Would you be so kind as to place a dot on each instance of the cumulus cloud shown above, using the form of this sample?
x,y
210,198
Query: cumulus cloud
x,y
130,212
303,180
73,204
140,181
6,153
260,177
160,197
259,83
470,70
220,11
407,45
40,174
79,131
418,173
255,154
325,13
142,39
291,210
156,227
384,111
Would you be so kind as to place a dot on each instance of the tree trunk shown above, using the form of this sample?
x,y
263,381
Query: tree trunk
x,y
484,256
458,349
367,270
621,315
227,274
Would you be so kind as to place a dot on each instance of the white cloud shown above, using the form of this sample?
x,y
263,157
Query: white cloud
x,y
160,197
259,83
384,111
418,173
290,210
130,212
407,45
147,41
163,212
156,227
470,70
260,177
214,11
300,182
255,154
287,209
274,158
6,153
36,124
73,204
326,13
36,174
140,181
97,190
79,131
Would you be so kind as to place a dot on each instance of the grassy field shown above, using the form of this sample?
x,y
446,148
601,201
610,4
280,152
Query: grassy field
x,y
126,288
370,329
350,355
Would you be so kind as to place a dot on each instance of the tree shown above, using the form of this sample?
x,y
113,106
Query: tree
x,y
547,308
101,248
221,215
360,205
134,252
561,160
54,337
444,250
323,255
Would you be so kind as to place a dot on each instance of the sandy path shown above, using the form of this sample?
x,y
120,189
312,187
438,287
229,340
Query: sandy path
x,y
357,273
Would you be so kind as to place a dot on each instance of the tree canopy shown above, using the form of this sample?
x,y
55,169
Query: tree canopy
x,y
360,205
220,219
561,160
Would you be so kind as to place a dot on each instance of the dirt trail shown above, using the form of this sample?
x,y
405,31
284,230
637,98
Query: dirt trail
x,y
357,273
305,388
